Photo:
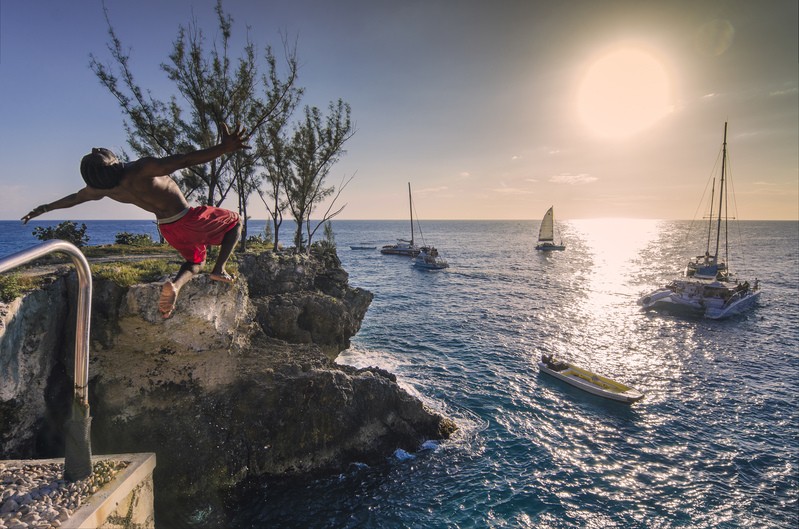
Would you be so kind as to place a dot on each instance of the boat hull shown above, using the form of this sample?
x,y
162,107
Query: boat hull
x,y
593,383
400,250
697,298
549,247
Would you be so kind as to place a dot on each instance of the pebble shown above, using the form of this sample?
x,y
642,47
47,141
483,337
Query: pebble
x,y
37,496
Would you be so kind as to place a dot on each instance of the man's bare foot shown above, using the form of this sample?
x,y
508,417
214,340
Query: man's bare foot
x,y
224,277
166,303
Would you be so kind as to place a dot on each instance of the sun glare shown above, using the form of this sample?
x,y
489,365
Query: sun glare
x,y
624,92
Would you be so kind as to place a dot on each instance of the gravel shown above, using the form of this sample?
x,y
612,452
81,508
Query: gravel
x,y
37,496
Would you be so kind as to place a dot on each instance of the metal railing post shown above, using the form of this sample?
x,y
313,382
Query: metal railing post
x,y
77,460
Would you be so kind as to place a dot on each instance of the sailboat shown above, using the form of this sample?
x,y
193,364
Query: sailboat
x,y
546,234
707,289
404,246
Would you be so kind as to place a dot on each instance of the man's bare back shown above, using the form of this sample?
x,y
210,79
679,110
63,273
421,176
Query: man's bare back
x,y
147,183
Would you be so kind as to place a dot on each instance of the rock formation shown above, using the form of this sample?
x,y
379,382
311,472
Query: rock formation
x,y
239,384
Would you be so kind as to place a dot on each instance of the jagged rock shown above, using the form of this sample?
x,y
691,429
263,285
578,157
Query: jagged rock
x,y
304,299
30,345
212,390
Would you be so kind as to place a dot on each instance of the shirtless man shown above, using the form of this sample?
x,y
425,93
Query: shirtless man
x,y
146,183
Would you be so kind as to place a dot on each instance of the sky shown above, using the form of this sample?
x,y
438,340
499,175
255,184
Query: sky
x,y
491,110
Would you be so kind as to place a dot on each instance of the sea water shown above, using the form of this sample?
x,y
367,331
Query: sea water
x,y
714,443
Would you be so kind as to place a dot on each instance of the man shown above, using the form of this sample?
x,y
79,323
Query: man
x,y
146,183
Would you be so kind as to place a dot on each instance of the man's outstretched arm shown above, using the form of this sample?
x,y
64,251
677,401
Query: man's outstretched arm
x,y
231,141
84,195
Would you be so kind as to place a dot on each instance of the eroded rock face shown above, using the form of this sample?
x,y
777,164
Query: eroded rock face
x,y
30,346
240,383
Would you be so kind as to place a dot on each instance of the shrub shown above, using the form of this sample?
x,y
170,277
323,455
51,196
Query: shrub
x,y
133,239
14,285
66,231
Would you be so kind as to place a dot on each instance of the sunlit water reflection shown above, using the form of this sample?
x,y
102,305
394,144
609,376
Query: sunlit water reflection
x,y
713,443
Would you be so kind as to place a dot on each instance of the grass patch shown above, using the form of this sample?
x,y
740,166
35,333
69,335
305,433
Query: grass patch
x,y
133,272
14,285
116,250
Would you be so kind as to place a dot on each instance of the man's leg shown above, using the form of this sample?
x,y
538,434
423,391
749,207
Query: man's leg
x,y
170,289
225,250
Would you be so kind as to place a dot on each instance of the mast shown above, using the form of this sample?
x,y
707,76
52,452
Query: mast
x,y
721,188
410,206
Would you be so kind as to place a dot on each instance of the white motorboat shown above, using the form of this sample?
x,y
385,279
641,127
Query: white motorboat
x,y
588,381
429,259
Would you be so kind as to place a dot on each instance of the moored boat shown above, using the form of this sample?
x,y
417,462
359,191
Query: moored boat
x,y
708,288
588,381
404,246
430,259
362,246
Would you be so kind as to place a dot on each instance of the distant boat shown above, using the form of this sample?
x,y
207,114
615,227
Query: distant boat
x,y
404,246
546,234
709,290
429,259
588,381
362,246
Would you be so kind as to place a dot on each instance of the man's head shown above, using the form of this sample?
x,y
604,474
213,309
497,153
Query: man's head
x,y
101,169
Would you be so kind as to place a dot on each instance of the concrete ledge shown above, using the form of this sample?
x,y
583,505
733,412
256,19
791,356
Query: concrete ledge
x,y
125,503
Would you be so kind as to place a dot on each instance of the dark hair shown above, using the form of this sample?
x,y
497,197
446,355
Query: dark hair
x,y
97,173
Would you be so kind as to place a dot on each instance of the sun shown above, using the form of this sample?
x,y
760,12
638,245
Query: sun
x,y
623,92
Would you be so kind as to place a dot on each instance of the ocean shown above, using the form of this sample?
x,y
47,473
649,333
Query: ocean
x,y
714,443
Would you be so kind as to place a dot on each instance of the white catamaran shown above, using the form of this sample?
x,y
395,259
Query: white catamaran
x,y
546,234
708,289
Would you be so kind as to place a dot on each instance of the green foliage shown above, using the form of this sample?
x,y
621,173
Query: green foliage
x,y
133,272
14,285
330,237
133,239
66,231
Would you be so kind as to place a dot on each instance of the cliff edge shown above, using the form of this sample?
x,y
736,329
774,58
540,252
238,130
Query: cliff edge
x,y
240,384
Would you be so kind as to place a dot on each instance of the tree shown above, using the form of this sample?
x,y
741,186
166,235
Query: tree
x,y
66,231
213,92
272,148
316,145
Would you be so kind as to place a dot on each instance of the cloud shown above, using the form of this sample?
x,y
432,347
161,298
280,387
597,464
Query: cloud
x,y
572,179
429,190
788,92
464,174
515,157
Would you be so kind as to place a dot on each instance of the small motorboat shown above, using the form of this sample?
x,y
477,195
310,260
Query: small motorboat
x,y
588,381
429,259
362,246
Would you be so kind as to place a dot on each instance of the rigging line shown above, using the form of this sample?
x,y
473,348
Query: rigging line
x,y
418,224
701,203
741,255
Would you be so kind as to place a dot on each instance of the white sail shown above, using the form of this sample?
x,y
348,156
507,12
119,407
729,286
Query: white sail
x,y
546,232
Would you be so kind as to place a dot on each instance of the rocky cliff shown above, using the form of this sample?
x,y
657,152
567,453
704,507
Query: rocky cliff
x,y
239,384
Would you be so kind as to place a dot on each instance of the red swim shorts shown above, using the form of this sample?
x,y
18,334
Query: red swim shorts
x,y
199,227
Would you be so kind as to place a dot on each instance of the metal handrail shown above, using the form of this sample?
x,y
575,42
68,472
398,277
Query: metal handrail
x,y
84,304
77,431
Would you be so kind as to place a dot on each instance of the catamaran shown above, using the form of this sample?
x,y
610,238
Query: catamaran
x,y
708,289
546,234
404,246
425,256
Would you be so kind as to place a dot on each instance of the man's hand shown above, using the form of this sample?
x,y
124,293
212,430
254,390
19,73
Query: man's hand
x,y
34,213
236,140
